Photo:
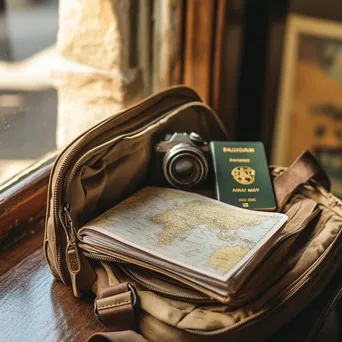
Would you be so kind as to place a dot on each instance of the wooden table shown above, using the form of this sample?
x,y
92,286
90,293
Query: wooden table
x,y
35,307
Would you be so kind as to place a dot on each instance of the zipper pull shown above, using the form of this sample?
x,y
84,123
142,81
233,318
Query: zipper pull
x,y
71,253
72,258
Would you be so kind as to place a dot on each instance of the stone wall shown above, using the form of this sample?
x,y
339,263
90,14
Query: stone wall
x,y
93,78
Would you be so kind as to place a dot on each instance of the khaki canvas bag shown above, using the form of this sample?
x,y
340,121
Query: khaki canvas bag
x,y
111,160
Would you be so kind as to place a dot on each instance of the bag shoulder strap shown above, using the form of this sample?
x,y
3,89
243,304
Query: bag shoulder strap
x,y
114,306
299,172
117,336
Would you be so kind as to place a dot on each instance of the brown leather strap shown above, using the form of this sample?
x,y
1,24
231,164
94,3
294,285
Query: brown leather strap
x,y
114,306
302,170
117,336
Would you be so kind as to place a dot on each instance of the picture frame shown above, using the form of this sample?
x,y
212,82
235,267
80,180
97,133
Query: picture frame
x,y
309,106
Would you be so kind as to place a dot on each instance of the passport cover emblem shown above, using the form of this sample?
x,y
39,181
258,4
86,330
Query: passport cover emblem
x,y
244,175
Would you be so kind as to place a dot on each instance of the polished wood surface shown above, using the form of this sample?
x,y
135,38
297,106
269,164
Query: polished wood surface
x,y
35,307
220,25
199,46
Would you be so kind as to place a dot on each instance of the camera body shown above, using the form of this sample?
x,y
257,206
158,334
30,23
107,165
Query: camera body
x,y
181,160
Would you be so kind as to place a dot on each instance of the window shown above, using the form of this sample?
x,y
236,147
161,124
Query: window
x,y
52,89
66,65
28,103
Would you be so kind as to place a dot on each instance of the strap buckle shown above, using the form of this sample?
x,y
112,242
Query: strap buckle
x,y
134,301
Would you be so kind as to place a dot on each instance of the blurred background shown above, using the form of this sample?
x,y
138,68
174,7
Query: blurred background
x,y
28,104
271,69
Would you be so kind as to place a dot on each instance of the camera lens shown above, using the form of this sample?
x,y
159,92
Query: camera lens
x,y
185,166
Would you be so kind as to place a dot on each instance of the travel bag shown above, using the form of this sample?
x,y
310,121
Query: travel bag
x,y
112,160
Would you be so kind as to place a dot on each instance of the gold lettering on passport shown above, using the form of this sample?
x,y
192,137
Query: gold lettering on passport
x,y
246,190
244,175
237,160
238,149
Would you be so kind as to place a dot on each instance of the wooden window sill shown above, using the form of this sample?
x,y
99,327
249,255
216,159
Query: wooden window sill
x,y
23,200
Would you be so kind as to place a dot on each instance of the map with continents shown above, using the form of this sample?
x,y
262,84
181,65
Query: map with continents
x,y
188,229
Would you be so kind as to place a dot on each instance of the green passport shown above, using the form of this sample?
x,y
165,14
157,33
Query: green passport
x,y
242,177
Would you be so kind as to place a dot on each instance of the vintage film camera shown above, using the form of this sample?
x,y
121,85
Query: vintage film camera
x,y
181,160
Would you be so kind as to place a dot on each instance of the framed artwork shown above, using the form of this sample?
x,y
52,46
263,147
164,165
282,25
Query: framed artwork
x,y
309,111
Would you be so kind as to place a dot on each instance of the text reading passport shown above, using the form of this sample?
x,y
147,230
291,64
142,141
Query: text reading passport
x,y
241,174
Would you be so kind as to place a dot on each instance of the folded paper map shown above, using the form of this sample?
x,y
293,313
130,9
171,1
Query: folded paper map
x,y
195,238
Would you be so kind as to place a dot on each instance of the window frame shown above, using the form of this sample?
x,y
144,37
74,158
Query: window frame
x,y
23,199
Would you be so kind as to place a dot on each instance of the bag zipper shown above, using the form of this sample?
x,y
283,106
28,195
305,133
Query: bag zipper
x,y
71,243
111,142
284,295
163,291
250,318
142,283
57,220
